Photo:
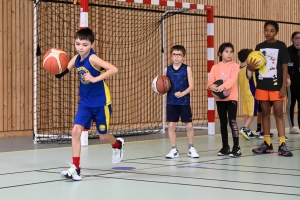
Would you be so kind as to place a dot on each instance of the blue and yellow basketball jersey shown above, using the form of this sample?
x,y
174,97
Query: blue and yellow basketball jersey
x,y
179,83
247,86
91,94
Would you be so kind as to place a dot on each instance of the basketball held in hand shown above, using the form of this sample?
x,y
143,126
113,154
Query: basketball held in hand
x,y
161,84
259,57
55,61
221,95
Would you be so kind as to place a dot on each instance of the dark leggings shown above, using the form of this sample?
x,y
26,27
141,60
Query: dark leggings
x,y
291,106
230,108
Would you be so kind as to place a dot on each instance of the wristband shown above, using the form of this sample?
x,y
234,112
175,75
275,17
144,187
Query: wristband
x,y
59,76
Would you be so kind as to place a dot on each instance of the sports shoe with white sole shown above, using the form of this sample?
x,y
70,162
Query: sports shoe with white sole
x,y
250,134
224,151
71,173
193,153
174,153
117,153
236,152
294,130
243,132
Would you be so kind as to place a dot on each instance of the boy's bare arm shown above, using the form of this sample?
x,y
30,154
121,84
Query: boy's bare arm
x,y
99,63
249,74
70,66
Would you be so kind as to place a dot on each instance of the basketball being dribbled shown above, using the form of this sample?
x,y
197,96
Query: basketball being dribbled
x,y
259,57
161,84
55,61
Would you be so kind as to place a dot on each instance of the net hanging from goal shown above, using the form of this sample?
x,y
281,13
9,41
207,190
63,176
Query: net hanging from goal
x,y
128,35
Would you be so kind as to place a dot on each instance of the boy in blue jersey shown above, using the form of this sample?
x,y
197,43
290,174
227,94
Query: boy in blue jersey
x,y
178,100
95,101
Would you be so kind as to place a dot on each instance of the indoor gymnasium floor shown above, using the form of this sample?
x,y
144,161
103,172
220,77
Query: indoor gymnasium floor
x,y
32,171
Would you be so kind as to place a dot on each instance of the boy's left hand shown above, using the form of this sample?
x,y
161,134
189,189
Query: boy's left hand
x,y
89,77
178,94
282,92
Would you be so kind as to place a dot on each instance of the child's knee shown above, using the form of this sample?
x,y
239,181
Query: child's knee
x,y
189,126
278,114
103,137
171,125
76,131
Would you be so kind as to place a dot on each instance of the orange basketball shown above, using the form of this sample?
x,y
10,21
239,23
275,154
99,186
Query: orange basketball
x,y
55,61
161,84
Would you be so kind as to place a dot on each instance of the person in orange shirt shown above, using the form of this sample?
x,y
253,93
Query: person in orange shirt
x,y
223,83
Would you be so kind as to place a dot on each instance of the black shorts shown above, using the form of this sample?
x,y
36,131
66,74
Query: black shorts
x,y
176,111
259,107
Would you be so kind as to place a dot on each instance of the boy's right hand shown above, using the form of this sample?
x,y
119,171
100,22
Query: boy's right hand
x,y
59,76
251,64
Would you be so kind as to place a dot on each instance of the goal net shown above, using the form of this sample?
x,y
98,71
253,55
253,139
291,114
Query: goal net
x,y
136,38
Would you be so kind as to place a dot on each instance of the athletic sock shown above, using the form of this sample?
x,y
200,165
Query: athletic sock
x,y
267,139
281,140
117,145
76,161
236,141
258,128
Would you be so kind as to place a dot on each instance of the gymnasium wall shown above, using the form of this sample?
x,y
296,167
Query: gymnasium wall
x,y
240,22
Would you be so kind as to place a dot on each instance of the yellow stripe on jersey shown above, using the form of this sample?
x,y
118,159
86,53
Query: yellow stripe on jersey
x,y
107,116
95,67
106,89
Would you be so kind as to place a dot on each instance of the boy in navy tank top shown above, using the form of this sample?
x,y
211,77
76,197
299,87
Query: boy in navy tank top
x,y
95,100
178,100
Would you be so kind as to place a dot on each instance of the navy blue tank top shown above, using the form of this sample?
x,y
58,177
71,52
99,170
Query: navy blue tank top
x,y
91,94
179,83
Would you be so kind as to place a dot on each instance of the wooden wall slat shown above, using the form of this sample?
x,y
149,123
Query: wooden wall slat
x,y
16,57
2,96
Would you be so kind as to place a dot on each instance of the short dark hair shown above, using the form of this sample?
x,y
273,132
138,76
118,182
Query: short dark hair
x,y
243,54
223,47
295,33
275,24
85,34
178,48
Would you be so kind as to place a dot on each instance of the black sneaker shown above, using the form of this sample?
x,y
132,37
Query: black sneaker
x,y
283,151
224,151
236,152
264,148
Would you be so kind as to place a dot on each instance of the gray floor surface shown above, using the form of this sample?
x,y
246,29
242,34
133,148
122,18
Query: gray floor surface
x,y
32,171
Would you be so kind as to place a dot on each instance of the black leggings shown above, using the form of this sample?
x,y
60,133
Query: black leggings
x,y
291,106
230,108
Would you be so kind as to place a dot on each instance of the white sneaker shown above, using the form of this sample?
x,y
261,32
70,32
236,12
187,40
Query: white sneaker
x,y
71,173
117,154
193,153
294,130
173,153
